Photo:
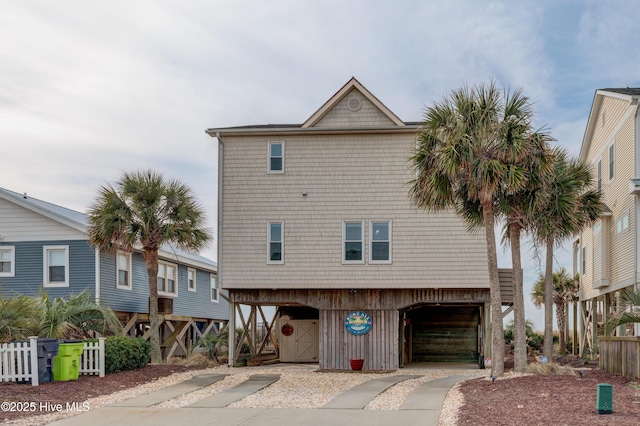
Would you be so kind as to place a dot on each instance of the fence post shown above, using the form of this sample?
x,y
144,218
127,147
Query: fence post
x,y
101,355
33,358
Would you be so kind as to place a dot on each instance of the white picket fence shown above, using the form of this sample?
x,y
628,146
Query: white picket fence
x,y
19,360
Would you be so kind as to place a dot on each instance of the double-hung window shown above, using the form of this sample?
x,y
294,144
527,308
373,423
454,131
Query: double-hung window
x,y
191,279
622,224
7,261
215,293
353,242
380,242
275,237
56,266
167,279
276,157
123,261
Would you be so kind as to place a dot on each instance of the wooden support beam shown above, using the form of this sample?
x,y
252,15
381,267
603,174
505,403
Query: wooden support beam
x,y
130,324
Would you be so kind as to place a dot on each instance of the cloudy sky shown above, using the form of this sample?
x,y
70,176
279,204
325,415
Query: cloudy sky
x,y
90,89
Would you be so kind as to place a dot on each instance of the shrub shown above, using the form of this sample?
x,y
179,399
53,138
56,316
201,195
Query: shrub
x,y
550,368
123,353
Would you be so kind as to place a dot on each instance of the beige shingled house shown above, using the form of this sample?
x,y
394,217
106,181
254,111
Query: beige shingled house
x,y
607,255
315,219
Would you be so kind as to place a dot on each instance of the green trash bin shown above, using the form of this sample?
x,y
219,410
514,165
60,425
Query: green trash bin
x,y
604,398
66,365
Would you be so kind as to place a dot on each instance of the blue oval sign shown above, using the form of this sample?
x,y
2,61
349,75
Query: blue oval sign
x,y
358,323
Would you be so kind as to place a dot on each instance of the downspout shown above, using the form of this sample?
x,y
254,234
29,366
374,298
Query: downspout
x,y
636,204
97,271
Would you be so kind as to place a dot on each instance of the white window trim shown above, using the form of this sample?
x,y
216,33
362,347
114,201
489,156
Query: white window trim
x,y
195,284
12,260
621,221
612,163
217,286
281,261
344,235
269,171
127,286
166,293
371,241
599,175
45,268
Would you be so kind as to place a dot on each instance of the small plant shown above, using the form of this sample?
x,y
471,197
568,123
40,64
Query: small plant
x,y
213,344
122,353
550,369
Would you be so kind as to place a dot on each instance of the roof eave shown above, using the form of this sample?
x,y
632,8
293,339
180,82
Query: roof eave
x,y
407,128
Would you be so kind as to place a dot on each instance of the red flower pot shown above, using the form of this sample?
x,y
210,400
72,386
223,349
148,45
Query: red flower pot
x,y
356,364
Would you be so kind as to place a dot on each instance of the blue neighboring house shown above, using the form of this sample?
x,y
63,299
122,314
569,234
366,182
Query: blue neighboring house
x,y
44,246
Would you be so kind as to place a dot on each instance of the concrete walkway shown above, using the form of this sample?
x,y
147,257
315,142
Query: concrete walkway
x,y
421,407
171,392
359,396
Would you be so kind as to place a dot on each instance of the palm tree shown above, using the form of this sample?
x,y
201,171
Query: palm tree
x,y
76,317
18,318
517,207
566,206
627,311
145,210
565,290
470,147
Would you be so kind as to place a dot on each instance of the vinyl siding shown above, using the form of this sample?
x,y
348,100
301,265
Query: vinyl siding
x,y
354,178
196,304
341,116
20,224
29,269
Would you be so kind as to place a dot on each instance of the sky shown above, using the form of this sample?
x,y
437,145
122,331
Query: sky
x,y
91,89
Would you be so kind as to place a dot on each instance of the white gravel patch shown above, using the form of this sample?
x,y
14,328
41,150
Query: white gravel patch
x,y
299,386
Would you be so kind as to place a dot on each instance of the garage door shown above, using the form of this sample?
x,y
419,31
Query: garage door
x,y
444,334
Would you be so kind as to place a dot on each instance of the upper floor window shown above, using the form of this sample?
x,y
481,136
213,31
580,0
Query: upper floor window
x,y
276,157
55,266
215,292
380,242
352,242
191,279
276,242
622,224
7,261
124,270
584,260
167,279
611,162
600,175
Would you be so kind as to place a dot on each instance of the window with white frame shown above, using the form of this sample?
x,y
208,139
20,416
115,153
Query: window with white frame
x,y
191,279
380,242
55,266
584,260
215,293
275,231
7,261
622,224
599,175
167,279
123,262
276,157
352,242
611,162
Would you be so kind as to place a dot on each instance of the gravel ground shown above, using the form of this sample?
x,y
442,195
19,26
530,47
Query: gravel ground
x,y
300,386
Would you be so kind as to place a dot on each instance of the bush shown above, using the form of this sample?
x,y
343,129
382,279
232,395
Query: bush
x,y
550,368
122,353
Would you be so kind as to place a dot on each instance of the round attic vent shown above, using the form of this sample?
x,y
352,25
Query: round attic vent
x,y
354,104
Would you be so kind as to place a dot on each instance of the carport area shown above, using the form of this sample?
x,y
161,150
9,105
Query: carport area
x,y
443,333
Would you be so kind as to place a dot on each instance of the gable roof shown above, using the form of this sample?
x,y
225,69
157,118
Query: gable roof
x,y
394,123
79,221
629,94
340,94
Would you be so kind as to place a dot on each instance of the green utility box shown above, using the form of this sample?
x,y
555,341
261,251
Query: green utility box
x,y
66,365
604,398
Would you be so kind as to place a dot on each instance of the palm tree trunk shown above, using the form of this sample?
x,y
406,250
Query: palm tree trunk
x,y
561,318
151,260
519,328
547,348
497,328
